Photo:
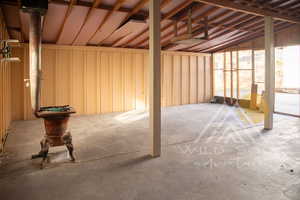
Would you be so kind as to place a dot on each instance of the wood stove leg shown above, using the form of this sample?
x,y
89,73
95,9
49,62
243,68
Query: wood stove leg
x,y
67,138
44,151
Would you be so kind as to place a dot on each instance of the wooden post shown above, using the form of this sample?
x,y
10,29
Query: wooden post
x,y
231,77
237,75
253,101
212,76
253,64
269,96
224,74
154,78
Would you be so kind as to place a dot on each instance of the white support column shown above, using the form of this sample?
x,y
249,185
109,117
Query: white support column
x,y
269,73
154,78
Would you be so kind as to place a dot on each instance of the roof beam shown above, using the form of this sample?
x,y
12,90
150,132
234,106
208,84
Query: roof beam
x,y
177,9
198,18
164,3
220,32
258,29
101,6
70,7
96,3
232,27
81,3
250,10
137,7
116,7
166,16
244,38
276,7
224,21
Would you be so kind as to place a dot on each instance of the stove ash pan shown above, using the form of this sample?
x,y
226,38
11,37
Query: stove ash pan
x,y
56,120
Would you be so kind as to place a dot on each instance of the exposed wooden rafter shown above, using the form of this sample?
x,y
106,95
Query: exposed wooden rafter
x,y
164,3
220,32
221,24
166,16
249,9
281,7
223,28
70,7
21,30
240,38
141,4
95,5
196,19
169,15
227,21
137,8
107,16
101,6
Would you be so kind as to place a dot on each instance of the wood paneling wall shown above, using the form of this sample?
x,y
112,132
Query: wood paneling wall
x,y
101,80
5,89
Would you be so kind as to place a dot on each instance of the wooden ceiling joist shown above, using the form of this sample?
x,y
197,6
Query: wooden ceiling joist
x,y
240,36
101,6
137,8
220,32
244,38
177,9
166,16
184,26
70,7
21,35
184,17
95,5
249,9
283,7
141,4
107,16
276,4
164,3
228,19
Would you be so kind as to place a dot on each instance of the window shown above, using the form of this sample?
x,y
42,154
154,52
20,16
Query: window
x,y
219,83
219,74
245,83
245,59
287,80
234,69
259,65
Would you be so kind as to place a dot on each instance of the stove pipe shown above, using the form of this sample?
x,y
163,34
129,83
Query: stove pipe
x,y
36,10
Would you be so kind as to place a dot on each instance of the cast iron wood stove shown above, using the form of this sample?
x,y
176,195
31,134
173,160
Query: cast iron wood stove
x,y
56,117
56,127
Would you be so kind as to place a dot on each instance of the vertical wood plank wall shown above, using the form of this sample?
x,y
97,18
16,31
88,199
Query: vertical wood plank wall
x,y
5,89
102,80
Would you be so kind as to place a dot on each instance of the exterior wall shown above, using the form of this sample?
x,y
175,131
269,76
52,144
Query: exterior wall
x,y
97,80
5,89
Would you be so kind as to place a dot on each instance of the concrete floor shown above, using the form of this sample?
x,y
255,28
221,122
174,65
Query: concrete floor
x,y
210,152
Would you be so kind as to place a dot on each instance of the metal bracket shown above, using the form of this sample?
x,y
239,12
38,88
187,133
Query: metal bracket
x,y
6,51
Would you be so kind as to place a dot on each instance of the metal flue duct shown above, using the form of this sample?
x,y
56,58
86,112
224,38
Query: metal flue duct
x,y
36,10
